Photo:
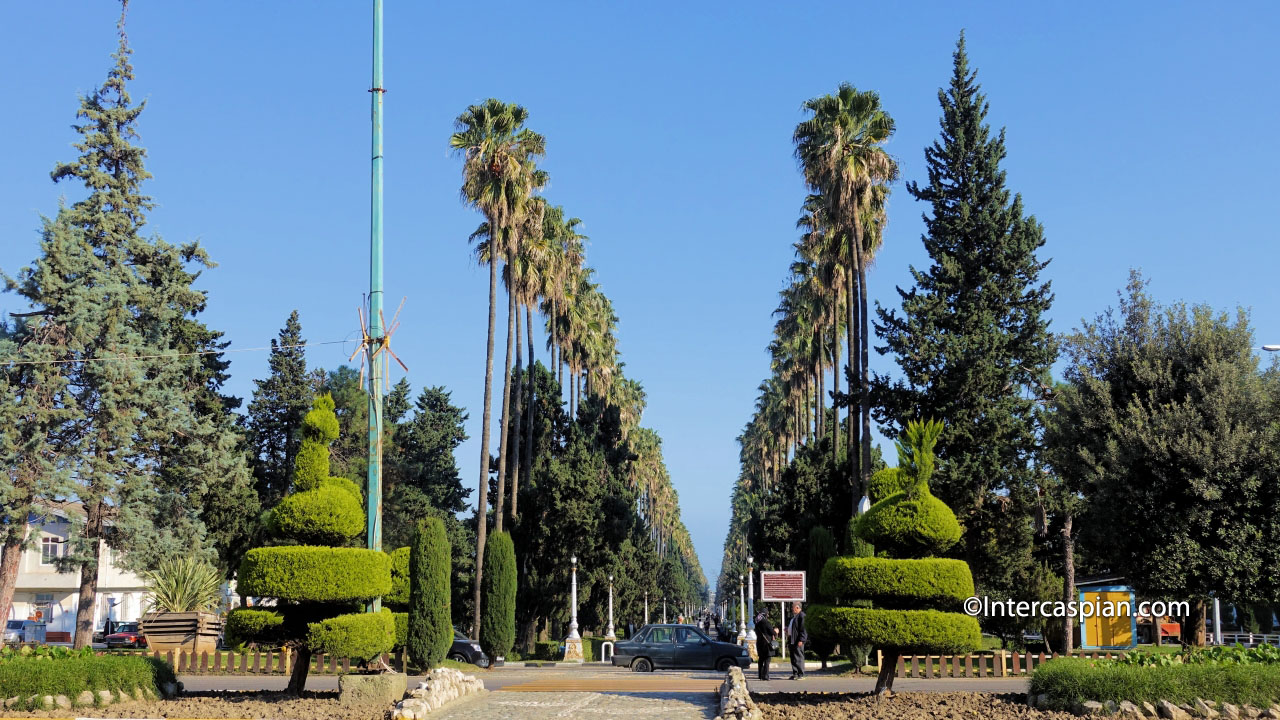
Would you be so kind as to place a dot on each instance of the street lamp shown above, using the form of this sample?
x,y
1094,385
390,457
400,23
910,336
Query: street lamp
x,y
573,624
1271,348
742,609
611,635
664,609
751,600
646,607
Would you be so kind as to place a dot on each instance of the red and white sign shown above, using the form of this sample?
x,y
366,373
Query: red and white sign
x,y
782,586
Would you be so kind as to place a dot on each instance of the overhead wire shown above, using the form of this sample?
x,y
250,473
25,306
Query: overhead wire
x,y
118,358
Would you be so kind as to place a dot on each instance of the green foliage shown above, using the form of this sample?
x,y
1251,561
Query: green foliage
x,y
319,428
546,650
911,631
821,547
359,636
430,630
183,585
1070,680
591,644
855,546
939,584
1236,654
887,482
73,672
398,598
345,485
249,625
274,421
904,525
402,630
303,573
327,515
498,620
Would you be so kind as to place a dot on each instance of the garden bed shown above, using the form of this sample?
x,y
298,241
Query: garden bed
x,y
47,675
1067,681
275,705
903,706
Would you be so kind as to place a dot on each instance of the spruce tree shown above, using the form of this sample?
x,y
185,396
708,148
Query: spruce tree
x,y
279,403
972,336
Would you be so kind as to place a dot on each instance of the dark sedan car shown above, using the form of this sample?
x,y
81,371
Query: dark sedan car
x,y
677,646
466,651
126,635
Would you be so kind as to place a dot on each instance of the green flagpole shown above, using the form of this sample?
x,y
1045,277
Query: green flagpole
x,y
374,526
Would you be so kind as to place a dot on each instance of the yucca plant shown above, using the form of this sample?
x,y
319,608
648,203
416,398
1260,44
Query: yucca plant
x,y
184,585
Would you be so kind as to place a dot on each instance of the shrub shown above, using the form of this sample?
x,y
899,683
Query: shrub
x,y
546,650
402,630
498,621
907,525
906,630
304,573
935,583
359,636
247,625
887,482
184,585
430,564
319,428
398,598
345,485
1069,680
22,676
821,546
327,515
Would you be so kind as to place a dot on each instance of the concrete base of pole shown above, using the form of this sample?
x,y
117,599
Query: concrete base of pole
x,y
573,650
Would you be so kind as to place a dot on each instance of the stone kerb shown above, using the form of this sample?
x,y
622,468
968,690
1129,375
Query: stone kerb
x,y
735,698
1162,710
442,686
87,698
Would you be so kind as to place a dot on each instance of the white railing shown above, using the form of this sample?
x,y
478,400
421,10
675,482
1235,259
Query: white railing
x,y
1250,639
606,656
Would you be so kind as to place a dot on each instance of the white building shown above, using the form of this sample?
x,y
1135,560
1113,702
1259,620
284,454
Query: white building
x,y
54,595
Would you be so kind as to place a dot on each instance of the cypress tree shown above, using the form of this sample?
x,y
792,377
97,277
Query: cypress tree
x,y
972,333
279,403
498,620
430,629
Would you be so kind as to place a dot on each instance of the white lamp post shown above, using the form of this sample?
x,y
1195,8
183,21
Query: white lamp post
x,y
573,624
864,504
1271,348
664,610
751,600
610,634
646,607
742,610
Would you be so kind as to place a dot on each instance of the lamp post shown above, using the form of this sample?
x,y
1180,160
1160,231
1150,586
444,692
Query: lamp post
x,y
611,635
751,600
664,610
742,610
646,607
573,623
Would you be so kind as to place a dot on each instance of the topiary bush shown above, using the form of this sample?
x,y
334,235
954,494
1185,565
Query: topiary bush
x,y
430,629
319,586
402,630
498,621
821,547
248,625
398,598
909,589
886,482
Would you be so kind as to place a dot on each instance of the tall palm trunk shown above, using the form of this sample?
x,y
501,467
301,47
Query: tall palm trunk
x,y
483,495
532,407
865,391
505,422
852,336
835,386
517,408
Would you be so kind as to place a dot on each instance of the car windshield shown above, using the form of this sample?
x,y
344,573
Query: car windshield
x,y
13,625
127,627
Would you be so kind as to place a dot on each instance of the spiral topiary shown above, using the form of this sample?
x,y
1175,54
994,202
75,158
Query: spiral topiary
x,y
316,580
913,594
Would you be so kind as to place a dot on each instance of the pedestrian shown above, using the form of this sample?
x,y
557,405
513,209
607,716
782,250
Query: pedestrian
x,y
797,636
680,619
764,644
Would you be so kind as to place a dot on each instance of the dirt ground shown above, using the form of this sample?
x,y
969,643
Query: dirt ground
x,y
904,706
274,705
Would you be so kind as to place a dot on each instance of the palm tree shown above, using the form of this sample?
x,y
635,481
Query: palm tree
x,y
840,152
497,176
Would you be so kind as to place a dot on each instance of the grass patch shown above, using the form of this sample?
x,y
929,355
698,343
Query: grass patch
x,y
464,667
1069,680
73,673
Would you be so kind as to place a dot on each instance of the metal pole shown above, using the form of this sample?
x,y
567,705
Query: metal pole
x,y
573,624
742,617
646,608
611,635
373,528
751,601
1217,623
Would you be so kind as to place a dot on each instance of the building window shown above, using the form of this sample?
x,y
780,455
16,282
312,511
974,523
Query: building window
x,y
50,549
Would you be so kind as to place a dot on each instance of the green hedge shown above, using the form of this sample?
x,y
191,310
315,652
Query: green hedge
x,y
348,486
303,573
326,515
909,526
910,584
1070,680
430,610
591,651
402,629
22,677
246,625
398,598
910,631
498,616
359,636
887,482
546,650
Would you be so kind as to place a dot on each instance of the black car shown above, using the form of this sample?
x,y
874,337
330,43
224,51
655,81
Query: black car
x,y
465,651
677,646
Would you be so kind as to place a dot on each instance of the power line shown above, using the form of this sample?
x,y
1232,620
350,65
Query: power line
x,y
168,355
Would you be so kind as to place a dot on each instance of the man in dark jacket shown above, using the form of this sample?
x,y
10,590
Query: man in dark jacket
x,y
764,644
797,637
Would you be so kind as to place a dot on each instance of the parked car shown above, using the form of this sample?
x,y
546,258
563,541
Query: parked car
x,y
677,646
13,631
126,635
466,651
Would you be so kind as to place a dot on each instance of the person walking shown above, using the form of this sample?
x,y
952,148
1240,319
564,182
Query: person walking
x,y
764,644
797,636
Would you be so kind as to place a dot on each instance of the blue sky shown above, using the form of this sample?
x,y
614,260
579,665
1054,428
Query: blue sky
x,y
1140,134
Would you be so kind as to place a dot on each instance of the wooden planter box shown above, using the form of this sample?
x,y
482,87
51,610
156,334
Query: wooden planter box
x,y
194,632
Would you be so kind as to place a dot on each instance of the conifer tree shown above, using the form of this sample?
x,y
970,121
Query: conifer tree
x,y
972,335
279,403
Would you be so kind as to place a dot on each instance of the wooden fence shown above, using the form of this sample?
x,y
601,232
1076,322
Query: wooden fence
x,y
981,666
278,662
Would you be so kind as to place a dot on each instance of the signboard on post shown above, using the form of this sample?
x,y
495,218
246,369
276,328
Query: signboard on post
x,y
782,586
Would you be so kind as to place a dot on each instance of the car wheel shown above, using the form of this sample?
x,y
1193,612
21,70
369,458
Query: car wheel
x,y
724,664
642,665
457,657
